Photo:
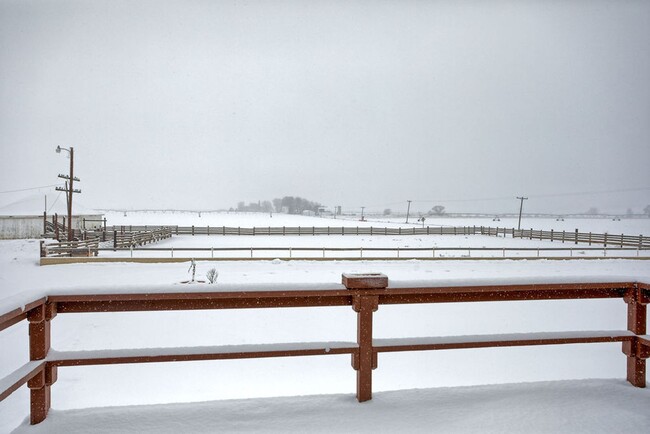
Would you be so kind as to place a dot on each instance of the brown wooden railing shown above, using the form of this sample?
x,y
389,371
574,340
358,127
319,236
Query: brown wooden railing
x,y
364,293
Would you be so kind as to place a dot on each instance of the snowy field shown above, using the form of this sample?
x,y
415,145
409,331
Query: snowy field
x,y
235,219
21,279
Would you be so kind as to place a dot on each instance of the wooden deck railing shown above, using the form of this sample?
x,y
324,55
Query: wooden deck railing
x,y
364,293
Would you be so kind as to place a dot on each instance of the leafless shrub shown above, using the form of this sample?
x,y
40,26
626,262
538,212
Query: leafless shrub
x,y
212,275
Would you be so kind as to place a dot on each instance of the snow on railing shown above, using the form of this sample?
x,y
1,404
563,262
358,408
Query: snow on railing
x,y
364,293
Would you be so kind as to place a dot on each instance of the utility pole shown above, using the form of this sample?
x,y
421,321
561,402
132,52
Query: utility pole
x,y
68,187
408,210
362,217
521,206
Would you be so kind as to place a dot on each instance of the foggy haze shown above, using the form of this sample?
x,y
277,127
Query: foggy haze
x,y
202,104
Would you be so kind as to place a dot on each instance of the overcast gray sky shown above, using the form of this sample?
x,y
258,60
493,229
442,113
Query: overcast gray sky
x,y
201,104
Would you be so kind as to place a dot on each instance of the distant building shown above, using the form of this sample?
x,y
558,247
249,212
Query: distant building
x,y
24,219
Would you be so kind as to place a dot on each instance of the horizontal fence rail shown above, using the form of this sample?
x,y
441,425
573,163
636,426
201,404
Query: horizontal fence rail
x,y
364,293
178,254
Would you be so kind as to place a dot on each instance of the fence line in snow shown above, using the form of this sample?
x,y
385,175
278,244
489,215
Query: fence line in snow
x,y
576,236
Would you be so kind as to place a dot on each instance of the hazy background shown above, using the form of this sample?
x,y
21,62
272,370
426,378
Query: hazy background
x,y
201,104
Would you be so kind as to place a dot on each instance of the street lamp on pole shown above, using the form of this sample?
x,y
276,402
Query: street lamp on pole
x,y
69,187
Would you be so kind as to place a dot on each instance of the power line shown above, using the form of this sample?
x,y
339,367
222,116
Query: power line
x,y
581,193
55,201
586,193
32,188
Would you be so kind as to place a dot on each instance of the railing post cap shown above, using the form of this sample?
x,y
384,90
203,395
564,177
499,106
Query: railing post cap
x,y
364,280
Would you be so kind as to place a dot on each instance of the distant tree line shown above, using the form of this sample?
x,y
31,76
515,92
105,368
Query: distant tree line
x,y
286,204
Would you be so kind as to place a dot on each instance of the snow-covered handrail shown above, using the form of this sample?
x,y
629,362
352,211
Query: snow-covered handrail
x,y
364,293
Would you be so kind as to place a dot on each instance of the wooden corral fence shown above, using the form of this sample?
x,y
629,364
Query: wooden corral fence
x,y
139,238
364,293
589,238
89,245
575,237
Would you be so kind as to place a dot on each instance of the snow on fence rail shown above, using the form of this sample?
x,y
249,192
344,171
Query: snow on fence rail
x,y
364,293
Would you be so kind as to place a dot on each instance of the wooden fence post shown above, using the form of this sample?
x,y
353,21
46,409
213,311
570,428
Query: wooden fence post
x,y
576,239
39,345
56,226
636,323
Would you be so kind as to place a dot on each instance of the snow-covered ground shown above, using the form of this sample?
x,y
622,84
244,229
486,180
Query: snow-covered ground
x,y
21,279
587,406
